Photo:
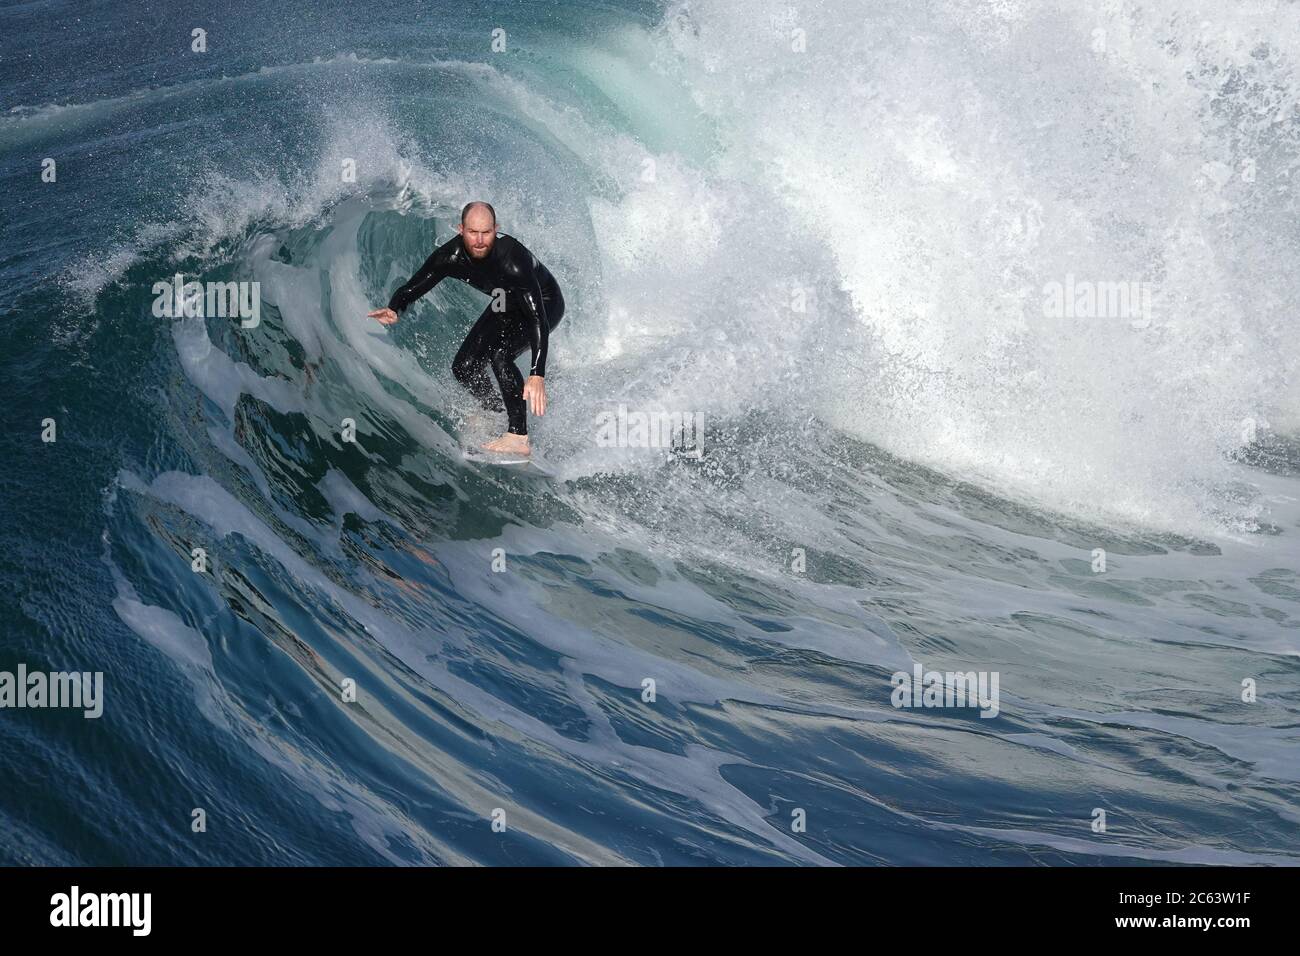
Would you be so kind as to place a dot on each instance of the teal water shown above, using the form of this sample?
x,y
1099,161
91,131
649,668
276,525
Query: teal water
x,y
913,466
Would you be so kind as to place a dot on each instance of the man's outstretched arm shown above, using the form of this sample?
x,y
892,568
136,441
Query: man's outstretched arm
x,y
425,278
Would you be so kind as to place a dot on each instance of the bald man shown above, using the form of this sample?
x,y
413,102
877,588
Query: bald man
x,y
526,305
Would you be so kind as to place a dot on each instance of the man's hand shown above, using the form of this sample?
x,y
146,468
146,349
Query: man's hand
x,y
386,316
535,394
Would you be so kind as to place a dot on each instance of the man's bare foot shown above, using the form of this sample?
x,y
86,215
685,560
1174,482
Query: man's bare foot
x,y
509,442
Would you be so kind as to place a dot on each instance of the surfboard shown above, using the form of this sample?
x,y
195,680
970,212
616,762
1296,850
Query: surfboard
x,y
505,459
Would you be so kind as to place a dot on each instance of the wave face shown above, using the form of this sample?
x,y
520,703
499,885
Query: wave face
x,y
835,233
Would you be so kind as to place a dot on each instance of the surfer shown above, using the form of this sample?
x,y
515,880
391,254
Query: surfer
x,y
526,306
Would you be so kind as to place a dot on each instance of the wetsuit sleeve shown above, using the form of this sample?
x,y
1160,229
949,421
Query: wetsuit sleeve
x,y
530,291
539,328
426,277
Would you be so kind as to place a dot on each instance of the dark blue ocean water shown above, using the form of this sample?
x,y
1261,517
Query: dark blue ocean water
x,y
835,254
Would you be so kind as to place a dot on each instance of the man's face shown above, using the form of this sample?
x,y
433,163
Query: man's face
x,y
478,232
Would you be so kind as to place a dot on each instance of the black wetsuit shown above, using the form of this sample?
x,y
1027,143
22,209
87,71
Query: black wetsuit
x,y
533,307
